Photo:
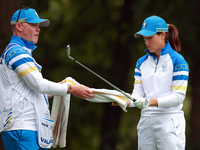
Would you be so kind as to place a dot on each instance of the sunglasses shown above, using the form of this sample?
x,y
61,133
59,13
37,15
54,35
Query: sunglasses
x,y
22,7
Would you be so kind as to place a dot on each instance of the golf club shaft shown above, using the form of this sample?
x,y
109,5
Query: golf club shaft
x,y
102,79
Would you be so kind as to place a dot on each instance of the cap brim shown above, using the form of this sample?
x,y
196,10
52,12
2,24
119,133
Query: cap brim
x,y
43,22
144,33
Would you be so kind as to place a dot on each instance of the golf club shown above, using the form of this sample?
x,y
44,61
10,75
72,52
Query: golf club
x,y
68,54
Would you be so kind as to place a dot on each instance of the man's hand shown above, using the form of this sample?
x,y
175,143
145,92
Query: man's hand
x,y
142,103
81,91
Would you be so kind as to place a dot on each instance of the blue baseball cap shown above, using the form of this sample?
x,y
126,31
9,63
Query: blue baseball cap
x,y
151,26
29,15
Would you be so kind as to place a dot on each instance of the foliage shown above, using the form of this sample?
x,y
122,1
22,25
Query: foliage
x,y
94,28
90,28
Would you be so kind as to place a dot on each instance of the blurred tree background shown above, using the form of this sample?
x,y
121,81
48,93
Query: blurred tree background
x,y
100,33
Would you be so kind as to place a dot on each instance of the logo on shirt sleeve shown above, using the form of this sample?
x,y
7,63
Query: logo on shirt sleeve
x,y
181,67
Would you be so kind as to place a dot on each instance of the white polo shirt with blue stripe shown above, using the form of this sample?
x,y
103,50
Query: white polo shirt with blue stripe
x,y
165,79
23,83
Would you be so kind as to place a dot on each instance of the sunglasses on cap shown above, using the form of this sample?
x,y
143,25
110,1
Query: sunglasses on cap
x,y
21,7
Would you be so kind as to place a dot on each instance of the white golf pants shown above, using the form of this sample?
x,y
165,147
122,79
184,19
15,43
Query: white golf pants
x,y
161,132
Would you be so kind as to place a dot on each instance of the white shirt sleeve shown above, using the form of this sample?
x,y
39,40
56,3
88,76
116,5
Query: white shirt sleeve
x,y
171,100
29,71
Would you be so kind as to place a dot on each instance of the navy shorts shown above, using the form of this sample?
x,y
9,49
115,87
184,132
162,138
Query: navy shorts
x,y
20,140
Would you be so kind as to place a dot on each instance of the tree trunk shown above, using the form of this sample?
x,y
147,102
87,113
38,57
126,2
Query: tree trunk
x,y
7,8
119,75
194,137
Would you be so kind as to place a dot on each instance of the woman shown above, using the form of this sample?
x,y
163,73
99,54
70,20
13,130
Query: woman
x,y
161,78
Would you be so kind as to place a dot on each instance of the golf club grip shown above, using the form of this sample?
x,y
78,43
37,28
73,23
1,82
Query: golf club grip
x,y
104,80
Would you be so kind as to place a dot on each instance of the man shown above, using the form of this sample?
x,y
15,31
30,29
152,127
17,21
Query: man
x,y
23,95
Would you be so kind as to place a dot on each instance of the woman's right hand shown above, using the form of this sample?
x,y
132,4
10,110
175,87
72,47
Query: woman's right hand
x,y
117,104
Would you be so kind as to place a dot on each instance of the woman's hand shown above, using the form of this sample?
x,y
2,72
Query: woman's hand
x,y
117,104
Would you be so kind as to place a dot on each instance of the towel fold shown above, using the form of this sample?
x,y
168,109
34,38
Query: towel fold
x,y
60,109
59,114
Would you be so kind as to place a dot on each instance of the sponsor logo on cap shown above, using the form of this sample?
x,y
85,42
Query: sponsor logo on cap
x,y
144,24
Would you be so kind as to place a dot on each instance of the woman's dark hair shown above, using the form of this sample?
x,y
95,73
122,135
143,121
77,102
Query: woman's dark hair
x,y
172,38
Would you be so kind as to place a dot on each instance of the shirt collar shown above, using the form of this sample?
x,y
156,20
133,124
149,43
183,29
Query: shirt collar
x,y
22,42
164,50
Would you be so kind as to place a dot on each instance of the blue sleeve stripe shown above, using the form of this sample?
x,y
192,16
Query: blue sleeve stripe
x,y
13,54
20,62
137,74
180,77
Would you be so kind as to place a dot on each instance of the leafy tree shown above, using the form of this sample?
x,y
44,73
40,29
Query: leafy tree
x,y
100,33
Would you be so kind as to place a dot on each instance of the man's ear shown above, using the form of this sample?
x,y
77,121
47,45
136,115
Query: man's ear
x,y
18,27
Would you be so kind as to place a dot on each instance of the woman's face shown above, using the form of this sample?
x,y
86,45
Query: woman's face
x,y
155,43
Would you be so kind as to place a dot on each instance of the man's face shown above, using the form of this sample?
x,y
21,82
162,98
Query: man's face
x,y
30,31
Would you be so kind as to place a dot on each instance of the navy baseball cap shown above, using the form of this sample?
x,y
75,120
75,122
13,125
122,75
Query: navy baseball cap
x,y
151,26
28,15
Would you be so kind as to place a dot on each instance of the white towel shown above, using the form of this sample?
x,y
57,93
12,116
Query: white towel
x,y
104,95
59,114
60,109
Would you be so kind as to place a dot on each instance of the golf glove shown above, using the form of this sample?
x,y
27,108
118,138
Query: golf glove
x,y
142,103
